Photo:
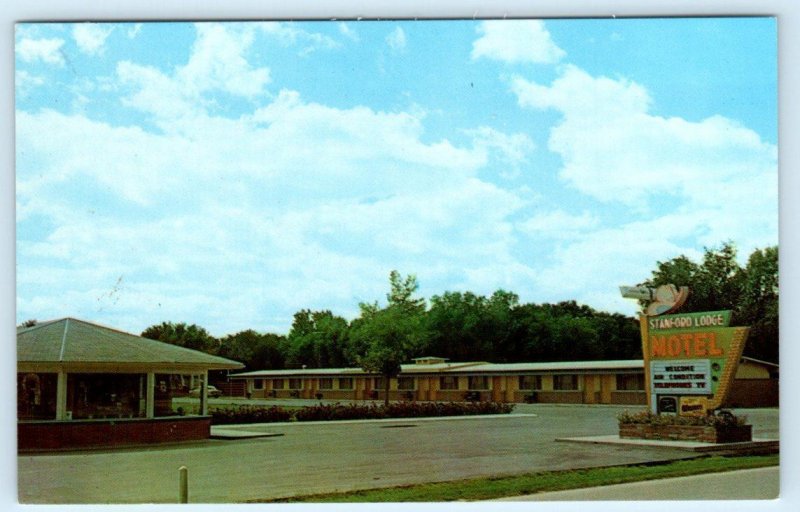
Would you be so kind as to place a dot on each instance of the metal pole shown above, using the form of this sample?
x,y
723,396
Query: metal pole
x,y
184,485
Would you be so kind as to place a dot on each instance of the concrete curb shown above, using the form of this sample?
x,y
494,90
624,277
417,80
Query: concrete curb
x,y
756,445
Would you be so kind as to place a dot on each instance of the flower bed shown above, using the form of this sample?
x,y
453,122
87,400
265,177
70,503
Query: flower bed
x,y
720,428
337,411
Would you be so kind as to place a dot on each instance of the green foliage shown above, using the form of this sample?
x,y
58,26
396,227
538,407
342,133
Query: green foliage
x,y
318,339
182,335
383,339
710,420
354,411
719,282
257,351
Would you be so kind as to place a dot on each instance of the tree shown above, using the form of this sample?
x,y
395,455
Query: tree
x,y
719,283
257,351
317,339
182,335
713,285
381,340
758,304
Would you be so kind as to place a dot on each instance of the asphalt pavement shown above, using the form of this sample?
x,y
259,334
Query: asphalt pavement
x,y
330,457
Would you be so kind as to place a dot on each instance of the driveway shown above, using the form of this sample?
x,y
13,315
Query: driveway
x,y
327,457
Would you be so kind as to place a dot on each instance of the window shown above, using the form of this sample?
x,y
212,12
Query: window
x,y
565,382
630,382
277,383
258,384
530,382
449,382
378,383
479,382
295,383
36,396
326,383
405,383
346,383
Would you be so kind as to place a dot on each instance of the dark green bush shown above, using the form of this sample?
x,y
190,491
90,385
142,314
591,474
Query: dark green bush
x,y
334,412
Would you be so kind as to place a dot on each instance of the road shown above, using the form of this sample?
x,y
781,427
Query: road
x,y
331,457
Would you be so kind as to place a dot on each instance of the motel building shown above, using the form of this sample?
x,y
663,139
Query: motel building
x,y
80,384
436,379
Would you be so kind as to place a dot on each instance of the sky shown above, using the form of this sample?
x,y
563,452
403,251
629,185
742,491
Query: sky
x,y
231,174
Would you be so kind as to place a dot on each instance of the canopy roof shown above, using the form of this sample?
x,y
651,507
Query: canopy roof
x,y
73,342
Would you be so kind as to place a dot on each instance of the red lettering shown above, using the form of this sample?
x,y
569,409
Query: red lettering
x,y
713,349
658,346
700,344
674,346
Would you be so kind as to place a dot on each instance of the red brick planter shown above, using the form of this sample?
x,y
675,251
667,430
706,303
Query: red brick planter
x,y
59,435
700,433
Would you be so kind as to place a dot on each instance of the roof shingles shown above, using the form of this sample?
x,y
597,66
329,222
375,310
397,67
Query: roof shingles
x,y
69,340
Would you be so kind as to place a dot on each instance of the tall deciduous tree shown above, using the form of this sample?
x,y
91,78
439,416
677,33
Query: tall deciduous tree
x,y
188,336
719,282
384,338
317,339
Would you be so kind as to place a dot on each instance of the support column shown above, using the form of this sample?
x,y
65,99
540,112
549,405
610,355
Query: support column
x,y
204,395
150,400
61,396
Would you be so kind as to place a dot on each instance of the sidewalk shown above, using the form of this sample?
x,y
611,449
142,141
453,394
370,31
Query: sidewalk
x,y
745,484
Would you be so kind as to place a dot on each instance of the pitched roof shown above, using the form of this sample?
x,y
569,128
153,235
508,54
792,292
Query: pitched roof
x,y
69,340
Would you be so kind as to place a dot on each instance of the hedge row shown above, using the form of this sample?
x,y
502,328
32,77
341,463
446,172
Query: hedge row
x,y
254,414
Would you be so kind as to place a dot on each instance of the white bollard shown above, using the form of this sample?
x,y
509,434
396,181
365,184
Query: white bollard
x,y
184,484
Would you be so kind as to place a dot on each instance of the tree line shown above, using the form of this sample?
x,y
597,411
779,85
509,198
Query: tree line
x,y
463,326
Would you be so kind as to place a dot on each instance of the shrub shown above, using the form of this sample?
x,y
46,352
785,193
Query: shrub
x,y
338,411
721,419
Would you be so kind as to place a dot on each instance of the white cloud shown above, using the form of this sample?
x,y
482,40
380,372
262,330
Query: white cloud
x,y
558,224
687,184
45,50
613,149
516,41
296,196
512,149
288,34
396,39
348,32
217,63
134,30
24,82
91,37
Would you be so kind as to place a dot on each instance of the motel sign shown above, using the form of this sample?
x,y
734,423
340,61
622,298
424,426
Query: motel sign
x,y
690,359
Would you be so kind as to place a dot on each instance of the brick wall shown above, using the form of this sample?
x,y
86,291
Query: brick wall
x,y
55,435
698,433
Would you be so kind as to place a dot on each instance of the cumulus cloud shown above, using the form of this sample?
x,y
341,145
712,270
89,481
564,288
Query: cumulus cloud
x,y
288,34
558,224
45,50
285,198
613,149
516,41
684,182
91,37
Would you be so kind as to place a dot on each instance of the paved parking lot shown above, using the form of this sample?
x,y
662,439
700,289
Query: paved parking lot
x,y
338,457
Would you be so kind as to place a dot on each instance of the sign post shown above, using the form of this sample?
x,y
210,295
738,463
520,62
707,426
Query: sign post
x,y
690,359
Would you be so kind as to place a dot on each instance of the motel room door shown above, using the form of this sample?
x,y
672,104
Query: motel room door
x,y
589,392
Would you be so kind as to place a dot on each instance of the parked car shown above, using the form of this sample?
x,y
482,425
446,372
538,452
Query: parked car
x,y
212,392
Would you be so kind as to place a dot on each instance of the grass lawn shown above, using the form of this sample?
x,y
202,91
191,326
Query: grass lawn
x,y
499,487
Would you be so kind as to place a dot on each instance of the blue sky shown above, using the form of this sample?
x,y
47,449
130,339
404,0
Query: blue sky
x,y
230,174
